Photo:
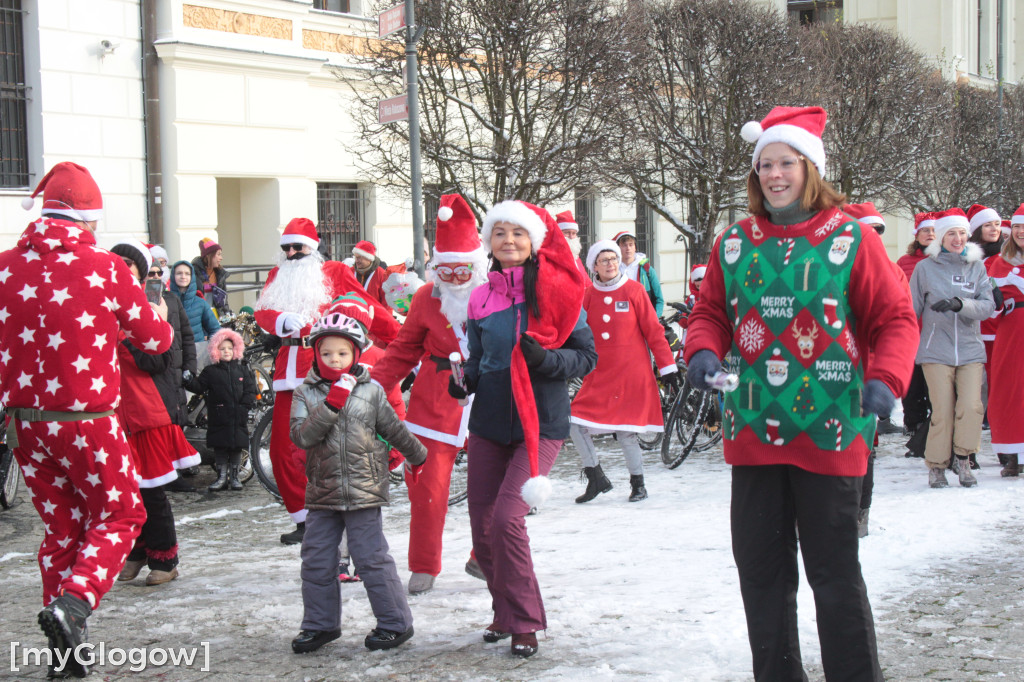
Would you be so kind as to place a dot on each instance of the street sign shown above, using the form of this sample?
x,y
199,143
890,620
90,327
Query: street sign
x,y
393,109
391,20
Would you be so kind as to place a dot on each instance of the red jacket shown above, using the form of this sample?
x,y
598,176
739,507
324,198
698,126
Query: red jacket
x,y
908,262
293,361
426,334
62,303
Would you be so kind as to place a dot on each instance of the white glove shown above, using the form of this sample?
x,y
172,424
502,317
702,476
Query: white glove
x,y
291,324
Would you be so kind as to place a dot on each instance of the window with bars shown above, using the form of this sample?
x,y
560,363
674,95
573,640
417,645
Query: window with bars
x,y
644,227
341,6
340,216
815,11
14,170
585,212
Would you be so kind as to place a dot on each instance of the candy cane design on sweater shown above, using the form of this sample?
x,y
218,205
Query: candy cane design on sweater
x,y
839,432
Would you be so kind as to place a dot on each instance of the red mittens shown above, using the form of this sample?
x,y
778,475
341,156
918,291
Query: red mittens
x,y
338,394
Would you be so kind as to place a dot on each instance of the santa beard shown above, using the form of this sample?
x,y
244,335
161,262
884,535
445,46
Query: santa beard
x,y
576,245
298,287
455,297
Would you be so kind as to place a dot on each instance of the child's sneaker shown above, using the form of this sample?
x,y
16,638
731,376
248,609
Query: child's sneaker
x,y
343,575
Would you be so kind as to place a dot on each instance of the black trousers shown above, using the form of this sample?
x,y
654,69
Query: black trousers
x,y
867,487
158,541
768,503
916,406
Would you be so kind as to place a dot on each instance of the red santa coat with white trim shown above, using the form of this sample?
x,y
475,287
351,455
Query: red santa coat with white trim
x,y
1006,378
63,301
426,332
293,362
621,393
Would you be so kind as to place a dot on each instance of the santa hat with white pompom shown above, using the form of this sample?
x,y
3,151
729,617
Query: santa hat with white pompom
x,y
457,238
799,127
68,190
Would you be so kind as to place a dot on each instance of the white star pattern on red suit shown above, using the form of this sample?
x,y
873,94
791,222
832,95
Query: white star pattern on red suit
x,y
4,274
60,295
52,386
48,507
113,494
27,292
27,336
67,258
52,427
101,573
101,456
28,471
80,442
81,364
55,341
134,312
100,342
76,514
24,380
59,481
31,255
95,280
36,455
78,406
150,345
4,315
93,479
98,384
85,319
114,538
90,551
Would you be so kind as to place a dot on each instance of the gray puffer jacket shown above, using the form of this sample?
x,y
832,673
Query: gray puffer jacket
x,y
346,464
949,338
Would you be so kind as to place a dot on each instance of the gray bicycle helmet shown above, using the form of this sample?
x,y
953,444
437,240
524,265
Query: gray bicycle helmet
x,y
338,324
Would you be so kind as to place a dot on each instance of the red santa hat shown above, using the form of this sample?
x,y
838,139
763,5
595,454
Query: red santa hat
x,y
926,219
947,220
799,127
1004,226
559,289
68,190
352,305
457,239
566,221
365,248
158,251
1018,216
300,231
698,271
865,213
624,233
978,215
598,248
522,214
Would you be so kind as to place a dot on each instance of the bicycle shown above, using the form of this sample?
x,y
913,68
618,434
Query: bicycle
x,y
650,440
10,472
693,425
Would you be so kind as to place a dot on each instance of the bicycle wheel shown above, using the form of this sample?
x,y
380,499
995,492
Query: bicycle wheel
x,y
652,440
10,478
245,471
259,454
682,427
264,387
457,490
709,433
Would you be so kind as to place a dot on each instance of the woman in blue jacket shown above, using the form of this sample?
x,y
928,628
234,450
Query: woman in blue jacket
x,y
200,315
510,444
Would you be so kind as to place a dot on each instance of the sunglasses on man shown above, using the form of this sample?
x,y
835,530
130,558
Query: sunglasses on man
x,y
291,247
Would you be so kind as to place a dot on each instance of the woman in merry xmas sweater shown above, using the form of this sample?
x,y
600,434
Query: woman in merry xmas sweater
x,y
626,332
796,296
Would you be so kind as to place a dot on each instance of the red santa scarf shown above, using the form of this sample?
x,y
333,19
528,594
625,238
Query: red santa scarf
x,y
560,287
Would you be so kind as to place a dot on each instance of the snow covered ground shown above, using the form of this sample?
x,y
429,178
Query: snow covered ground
x,y
645,590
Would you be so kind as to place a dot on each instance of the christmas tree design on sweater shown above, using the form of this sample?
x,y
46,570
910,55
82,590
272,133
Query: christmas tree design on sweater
x,y
793,346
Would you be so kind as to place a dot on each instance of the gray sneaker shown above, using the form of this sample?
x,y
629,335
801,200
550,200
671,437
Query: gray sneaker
x,y
967,478
937,478
420,583
862,522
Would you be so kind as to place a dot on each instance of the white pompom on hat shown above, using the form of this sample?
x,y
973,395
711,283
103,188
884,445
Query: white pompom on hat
x,y
600,247
799,127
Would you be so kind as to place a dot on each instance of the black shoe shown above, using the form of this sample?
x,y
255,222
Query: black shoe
x,y
311,640
974,462
295,537
637,491
178,485
63,622
495,634
222,480
233,482
386,639
597,483
190,471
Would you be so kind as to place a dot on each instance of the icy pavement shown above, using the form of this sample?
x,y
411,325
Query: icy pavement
x,y
633,591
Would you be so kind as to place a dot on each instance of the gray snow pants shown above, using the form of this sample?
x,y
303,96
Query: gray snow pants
x,y
628,441
321,592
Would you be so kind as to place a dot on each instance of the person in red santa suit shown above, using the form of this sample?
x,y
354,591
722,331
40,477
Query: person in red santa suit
x,y
626,333
63,302
1006,390
434,329
297,293
369,270
571,229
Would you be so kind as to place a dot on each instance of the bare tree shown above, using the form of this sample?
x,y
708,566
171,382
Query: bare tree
x,y
508,107
700,69
883,98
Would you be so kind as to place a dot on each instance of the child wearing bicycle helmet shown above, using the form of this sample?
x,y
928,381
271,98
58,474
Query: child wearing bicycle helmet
x,y
229,387
346,426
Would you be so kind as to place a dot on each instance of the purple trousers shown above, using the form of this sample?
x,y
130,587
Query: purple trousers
x,y
497,516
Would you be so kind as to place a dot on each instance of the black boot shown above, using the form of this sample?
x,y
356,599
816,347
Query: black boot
x,y
63,622
295,537
638,492
222,479
597,483
233,482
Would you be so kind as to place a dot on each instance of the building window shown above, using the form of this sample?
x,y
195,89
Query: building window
x,y
815,11
645,221
340,216
13,98
586,217
341,6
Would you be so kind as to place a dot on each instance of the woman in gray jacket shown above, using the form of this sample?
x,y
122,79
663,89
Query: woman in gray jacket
x,y
952,294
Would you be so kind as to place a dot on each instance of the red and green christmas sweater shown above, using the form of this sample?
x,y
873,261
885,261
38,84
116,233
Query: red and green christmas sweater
x,y
794,311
